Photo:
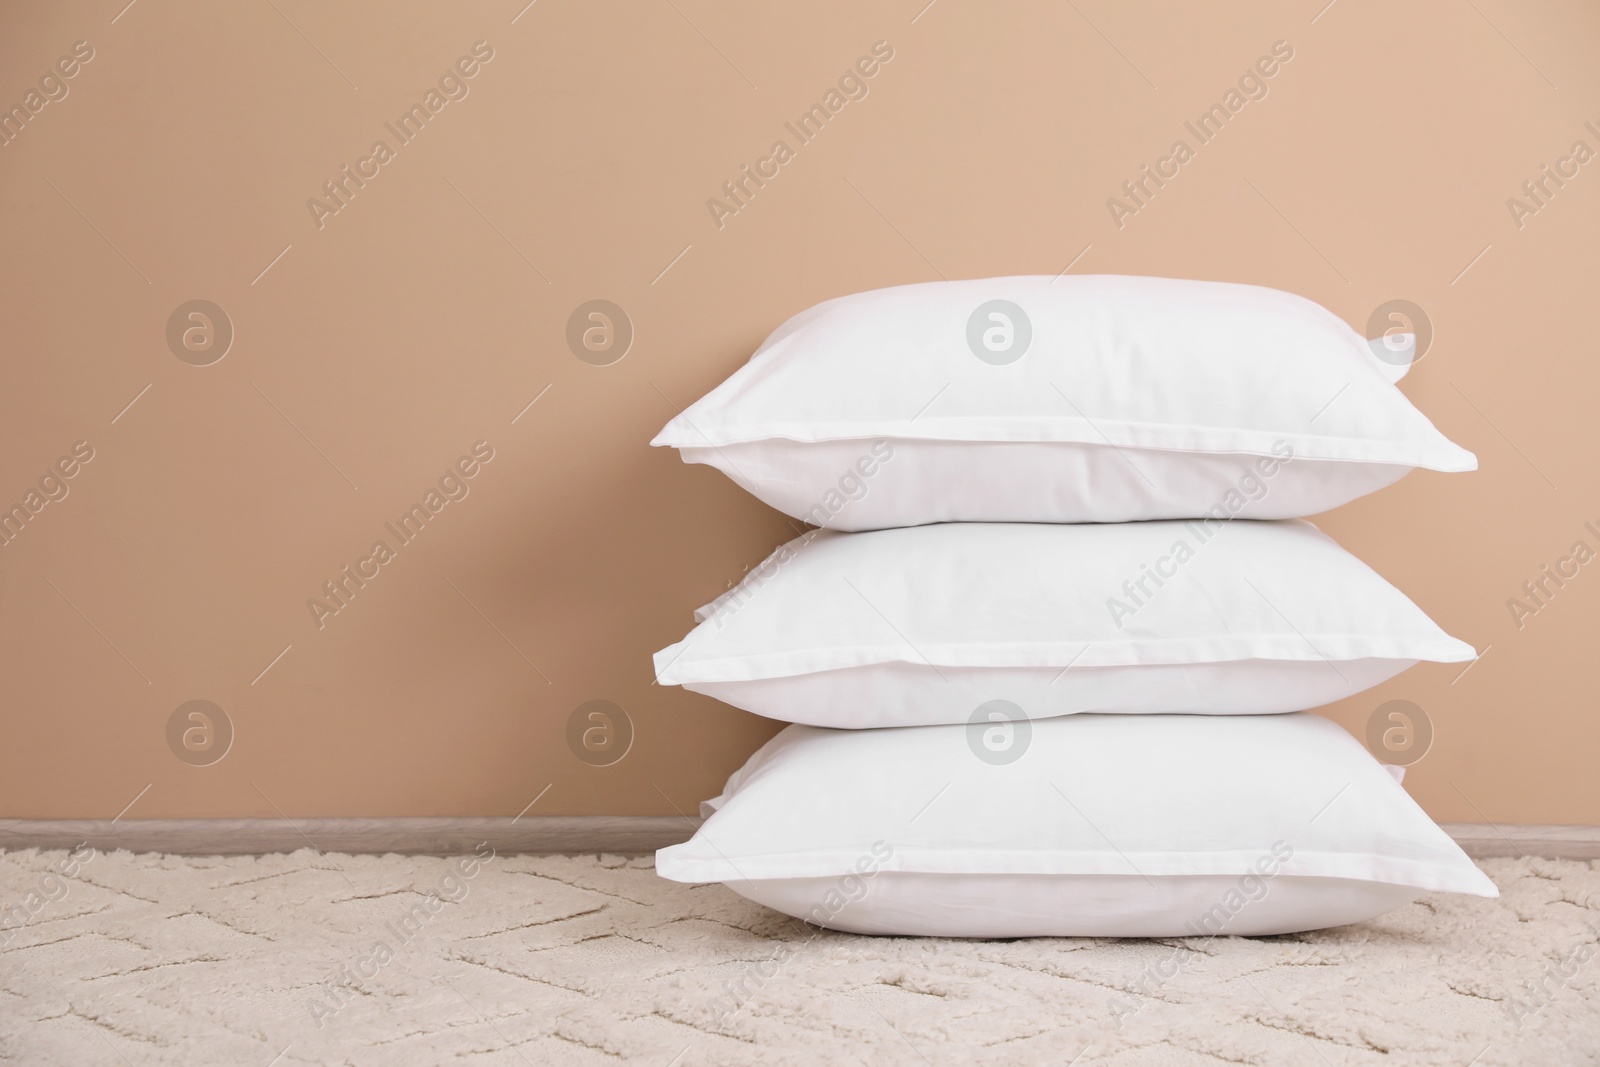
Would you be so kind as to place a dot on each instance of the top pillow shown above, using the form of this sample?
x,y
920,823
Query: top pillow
x,y
1069,399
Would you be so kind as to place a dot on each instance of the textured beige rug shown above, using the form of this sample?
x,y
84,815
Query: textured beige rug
x,y
324,959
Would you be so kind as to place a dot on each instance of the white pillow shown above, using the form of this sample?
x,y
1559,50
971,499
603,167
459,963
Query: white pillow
x,y
1110,399
1100,825
921,625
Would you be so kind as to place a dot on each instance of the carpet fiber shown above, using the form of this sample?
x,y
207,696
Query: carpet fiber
x,y
322,959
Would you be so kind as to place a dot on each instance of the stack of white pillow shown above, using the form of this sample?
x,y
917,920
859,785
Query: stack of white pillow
x,y
1053,682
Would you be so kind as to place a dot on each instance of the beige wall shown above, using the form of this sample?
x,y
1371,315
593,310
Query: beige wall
x,y
423,316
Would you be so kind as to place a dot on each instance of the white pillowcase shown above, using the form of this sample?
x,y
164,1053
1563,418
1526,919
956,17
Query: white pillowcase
x,y
1101,825
1131,398
922,625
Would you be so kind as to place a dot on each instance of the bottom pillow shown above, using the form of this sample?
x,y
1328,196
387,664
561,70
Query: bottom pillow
x,y
1090,825
1079,905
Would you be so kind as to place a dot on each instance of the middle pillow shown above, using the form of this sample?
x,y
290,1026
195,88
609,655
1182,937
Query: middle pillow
x,y
965,621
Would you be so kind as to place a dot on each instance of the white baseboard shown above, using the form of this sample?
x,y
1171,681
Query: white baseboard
x,y
1487,840
576,834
